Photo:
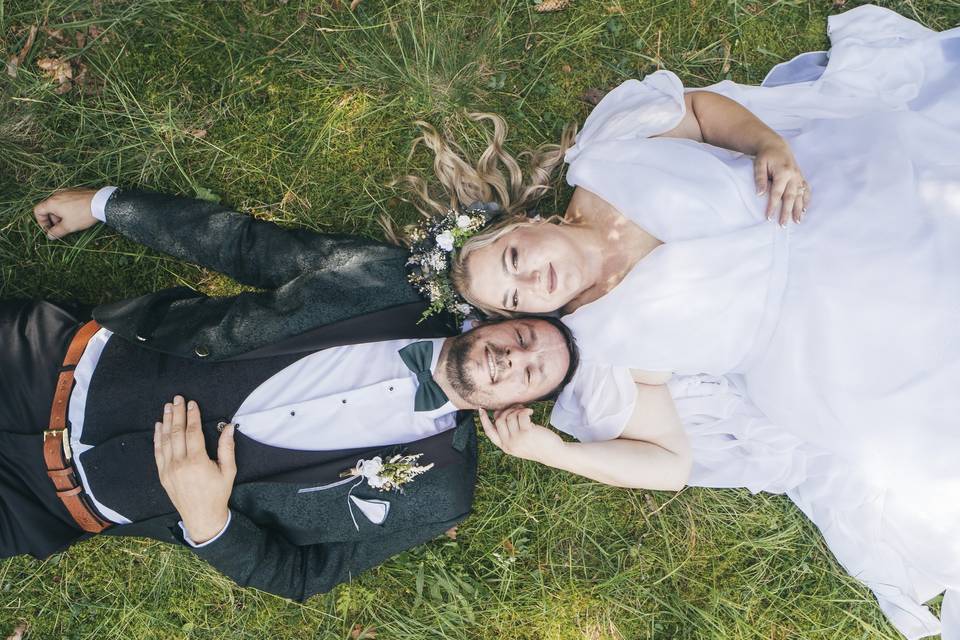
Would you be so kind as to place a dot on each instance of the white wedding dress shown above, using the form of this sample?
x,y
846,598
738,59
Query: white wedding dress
x,y
821,360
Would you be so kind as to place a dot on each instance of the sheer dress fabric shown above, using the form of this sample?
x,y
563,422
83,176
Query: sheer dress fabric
x,y
821,360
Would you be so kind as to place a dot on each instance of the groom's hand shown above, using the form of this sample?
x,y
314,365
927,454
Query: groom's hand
x,y
66,212
513,432
197,486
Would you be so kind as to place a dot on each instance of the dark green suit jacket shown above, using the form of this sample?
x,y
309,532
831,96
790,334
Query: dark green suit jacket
x,y
296,533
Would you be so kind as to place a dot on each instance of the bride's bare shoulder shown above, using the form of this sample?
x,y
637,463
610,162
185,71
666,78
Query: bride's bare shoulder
x,y
586,206
650,377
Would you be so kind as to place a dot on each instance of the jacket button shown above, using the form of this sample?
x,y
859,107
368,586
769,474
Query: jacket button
x,y
141,338
201,351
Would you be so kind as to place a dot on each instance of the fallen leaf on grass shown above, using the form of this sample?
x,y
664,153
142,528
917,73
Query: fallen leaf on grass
x,y
512,550
56,34
13,64
451,533
60,70
359,632
593,96
19,631
549,6
198,133
839,4
725,69
355,4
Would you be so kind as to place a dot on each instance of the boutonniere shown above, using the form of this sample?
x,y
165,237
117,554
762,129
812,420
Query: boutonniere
x,y
390,475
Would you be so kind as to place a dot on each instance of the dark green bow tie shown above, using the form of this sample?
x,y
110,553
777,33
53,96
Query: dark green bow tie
x,y
418,357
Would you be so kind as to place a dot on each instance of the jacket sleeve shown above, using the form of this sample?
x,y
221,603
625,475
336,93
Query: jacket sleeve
x,y
251,251
254,556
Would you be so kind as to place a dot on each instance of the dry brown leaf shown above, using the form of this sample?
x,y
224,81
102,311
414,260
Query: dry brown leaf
x,y
198,133
451,533
81,39
13,64
355,4
549,6
615,9
18,631
359,632
94,31
839,4
593,97
566,68
512,550
60,70
725,69
56,34
25,51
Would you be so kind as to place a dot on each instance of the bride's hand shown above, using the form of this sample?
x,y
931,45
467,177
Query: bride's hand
x,y
775,166
514,433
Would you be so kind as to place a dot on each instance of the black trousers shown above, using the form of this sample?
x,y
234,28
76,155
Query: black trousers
x,y
34,337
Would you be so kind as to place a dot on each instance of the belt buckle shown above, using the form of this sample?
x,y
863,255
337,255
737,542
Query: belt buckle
x,y
64,440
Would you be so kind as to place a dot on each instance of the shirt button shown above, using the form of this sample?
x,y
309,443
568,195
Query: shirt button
x,y
293,413
344,401
201,351
390,389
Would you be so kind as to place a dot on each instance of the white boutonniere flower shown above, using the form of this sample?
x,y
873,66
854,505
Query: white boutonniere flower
x,y
391,475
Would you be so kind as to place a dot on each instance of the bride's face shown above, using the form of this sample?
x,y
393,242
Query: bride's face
x,y
532,269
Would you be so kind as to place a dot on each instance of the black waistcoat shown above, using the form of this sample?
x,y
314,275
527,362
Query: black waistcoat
x,y
131,384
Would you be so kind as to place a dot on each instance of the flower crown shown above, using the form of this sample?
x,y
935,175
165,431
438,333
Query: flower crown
x,y
432,246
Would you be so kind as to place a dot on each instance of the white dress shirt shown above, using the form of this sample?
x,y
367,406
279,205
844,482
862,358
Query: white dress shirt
x,y
344,397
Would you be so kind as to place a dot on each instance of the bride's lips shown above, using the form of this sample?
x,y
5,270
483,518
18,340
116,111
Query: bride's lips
x,y
551,279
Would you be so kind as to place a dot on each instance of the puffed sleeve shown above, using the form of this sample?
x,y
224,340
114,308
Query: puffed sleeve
x,y
635,109
596,404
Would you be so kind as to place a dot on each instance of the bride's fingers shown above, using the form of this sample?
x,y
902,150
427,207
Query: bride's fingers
x,y
790,197
776,195
798,209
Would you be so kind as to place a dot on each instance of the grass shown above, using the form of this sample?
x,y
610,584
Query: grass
x,y
301,112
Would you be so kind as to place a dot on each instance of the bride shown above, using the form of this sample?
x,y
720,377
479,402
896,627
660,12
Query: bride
x,y
765,285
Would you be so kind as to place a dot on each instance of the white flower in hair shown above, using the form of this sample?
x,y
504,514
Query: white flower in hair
x,y
464,308
445,240
464,222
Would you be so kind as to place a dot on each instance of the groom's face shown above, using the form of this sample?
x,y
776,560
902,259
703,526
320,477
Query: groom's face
x,y
499,364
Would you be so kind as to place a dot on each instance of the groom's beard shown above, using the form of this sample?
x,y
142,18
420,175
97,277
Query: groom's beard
x,y
463,377
457,375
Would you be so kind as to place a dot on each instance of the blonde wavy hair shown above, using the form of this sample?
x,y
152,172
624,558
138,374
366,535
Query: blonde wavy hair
x,y
496,176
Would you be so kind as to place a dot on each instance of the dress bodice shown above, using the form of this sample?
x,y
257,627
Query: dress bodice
x,y
703,300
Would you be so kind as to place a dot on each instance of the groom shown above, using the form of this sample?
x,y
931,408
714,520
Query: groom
x,y
290,497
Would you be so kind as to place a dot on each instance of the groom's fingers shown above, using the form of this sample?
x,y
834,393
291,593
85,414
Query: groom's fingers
x,y
194,430
178,444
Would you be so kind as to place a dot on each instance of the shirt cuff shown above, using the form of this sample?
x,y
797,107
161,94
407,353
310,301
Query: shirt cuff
x,y
186,536
98,207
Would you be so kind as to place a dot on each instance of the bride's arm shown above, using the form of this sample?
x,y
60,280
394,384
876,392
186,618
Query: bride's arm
x,y
651,453
722,122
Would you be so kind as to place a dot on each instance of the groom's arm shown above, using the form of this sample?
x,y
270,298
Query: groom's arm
x,y
254,556
251,251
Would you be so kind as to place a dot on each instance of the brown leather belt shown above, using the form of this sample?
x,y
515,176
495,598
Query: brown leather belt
x,y
56,442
